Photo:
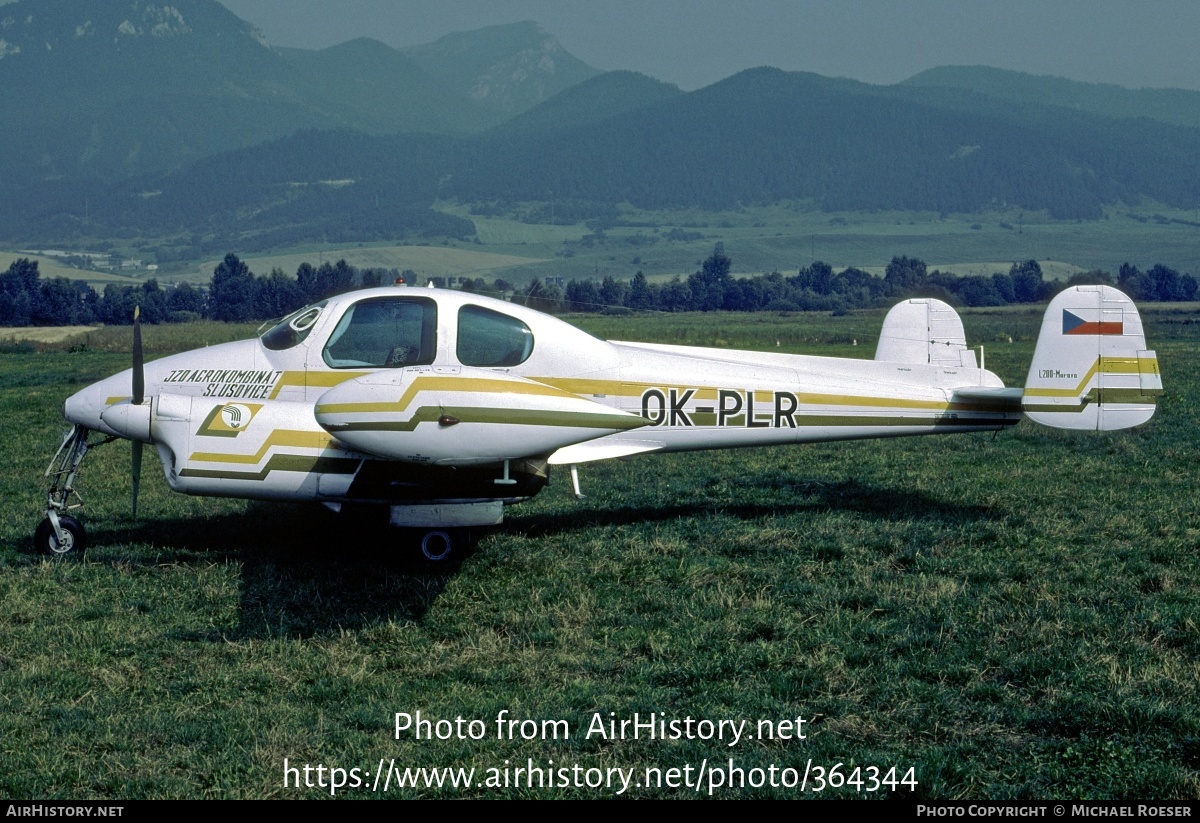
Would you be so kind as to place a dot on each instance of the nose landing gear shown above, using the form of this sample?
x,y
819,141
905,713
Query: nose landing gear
x,y
60,535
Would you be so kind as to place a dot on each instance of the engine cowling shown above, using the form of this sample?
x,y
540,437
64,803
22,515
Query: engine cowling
x,y
461,417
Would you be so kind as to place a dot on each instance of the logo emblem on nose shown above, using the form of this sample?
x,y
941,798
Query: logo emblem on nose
x,y
228,420
235,415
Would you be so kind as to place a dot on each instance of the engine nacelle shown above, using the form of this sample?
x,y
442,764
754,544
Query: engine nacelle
x,y
129,420
461,417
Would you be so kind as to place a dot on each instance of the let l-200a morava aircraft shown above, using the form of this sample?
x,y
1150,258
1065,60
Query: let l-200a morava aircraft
x,y
440,407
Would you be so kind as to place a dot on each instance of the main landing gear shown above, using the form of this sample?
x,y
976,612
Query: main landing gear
x,y
393,526
441,547
60,535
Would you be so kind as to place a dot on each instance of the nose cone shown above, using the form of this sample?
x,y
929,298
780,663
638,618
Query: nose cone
x,y
85,407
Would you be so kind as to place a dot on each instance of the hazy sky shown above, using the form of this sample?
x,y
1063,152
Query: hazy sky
x,y
693,43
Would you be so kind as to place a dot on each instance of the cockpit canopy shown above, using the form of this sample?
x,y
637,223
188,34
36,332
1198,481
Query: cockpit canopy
x,y
384,332
397,330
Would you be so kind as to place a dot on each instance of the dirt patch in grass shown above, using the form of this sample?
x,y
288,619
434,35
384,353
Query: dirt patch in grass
x,y
44,334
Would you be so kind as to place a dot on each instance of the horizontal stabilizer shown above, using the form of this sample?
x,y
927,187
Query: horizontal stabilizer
x,y
1091,368
988,398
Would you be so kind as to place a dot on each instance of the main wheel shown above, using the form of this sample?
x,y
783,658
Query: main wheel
x,y
72,545
437,545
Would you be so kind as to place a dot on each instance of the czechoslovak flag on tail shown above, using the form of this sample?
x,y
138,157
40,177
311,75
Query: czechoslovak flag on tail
x,y
1072,323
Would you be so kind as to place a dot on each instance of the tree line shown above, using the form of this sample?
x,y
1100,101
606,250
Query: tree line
x,y
818,287
236,294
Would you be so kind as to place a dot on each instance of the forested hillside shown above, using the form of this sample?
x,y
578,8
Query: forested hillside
x,y
177,123
766,135
105,90
1178,106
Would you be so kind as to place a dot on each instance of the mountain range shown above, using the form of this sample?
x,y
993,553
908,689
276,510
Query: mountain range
x,y
139,117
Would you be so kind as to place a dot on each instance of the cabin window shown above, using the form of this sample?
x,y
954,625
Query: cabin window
x,y
489,338
292,330
388,332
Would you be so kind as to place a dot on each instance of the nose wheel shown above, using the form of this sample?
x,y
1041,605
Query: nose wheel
x,y
68,541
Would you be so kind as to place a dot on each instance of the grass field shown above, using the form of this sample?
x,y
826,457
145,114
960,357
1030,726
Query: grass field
x,y
1006,617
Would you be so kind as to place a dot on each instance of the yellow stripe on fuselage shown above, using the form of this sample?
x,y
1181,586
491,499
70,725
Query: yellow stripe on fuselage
x,y
617,388
584,386
1107,365
469,385
315,379
279,437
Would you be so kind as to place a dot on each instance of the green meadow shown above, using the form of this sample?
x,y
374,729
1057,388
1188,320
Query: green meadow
x,y
50,267
758,238
786,237
960,617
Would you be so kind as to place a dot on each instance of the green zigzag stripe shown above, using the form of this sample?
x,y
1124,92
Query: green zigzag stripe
x,y
1137,397
282,463
344,465
512,417
845,421
841,421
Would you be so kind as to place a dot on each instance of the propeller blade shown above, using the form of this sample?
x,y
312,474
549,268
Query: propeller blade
x,y
137,471
139,373
139,395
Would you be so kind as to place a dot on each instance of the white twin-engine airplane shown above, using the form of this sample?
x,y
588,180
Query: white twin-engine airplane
x,y
439,407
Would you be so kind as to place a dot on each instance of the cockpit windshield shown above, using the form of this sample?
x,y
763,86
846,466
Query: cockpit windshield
x,y
292,330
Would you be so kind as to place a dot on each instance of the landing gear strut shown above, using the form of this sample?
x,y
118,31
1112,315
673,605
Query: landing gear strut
x,y
60,534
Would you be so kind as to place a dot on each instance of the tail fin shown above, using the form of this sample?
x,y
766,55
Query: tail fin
x,y
1091,369
924,330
